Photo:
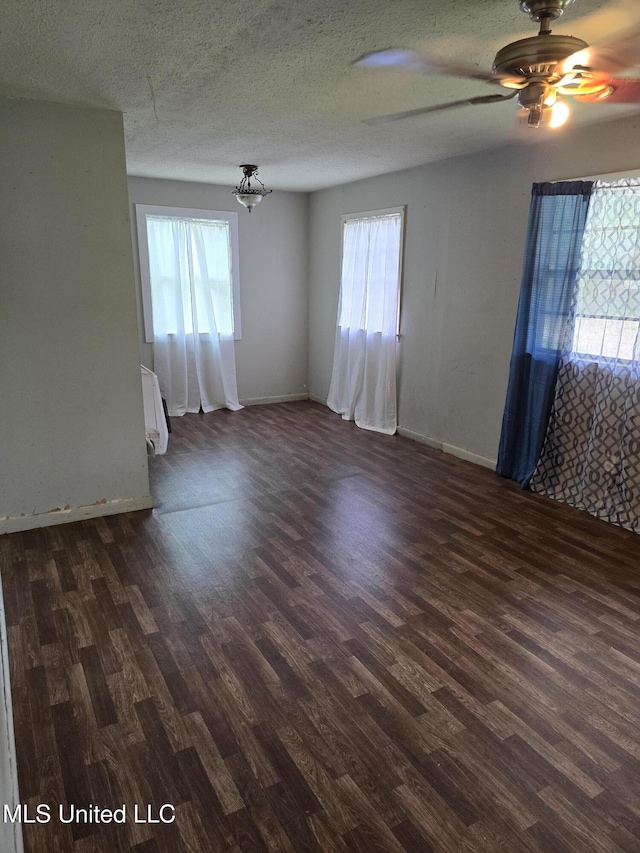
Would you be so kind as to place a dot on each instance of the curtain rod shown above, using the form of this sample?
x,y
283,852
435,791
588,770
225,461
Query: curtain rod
x,y
608,176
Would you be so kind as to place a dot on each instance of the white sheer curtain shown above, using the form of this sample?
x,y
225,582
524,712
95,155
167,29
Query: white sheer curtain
x,y
363,382
194,356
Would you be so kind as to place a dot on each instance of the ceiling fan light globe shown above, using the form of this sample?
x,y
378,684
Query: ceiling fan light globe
x,y
559,114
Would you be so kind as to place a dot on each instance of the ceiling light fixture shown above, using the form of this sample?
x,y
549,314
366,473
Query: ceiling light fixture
x,y
547,114
559,114
246,194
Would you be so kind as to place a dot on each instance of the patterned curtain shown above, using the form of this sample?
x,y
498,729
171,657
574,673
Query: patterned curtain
x,y
591,454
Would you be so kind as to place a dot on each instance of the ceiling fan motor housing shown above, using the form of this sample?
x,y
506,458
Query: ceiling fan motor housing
x,y
536,58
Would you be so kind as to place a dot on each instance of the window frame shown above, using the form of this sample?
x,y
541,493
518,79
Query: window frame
x,y
373,214
144,210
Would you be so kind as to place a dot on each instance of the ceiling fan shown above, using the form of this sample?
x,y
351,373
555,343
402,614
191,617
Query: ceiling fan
x,y
542,71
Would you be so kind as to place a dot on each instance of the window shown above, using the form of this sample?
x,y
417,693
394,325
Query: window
x,y
363,379
179,245
549,259
371,271
607,313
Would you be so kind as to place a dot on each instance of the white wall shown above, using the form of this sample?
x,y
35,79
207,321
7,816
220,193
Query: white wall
x,y
465,233
71,421
271,358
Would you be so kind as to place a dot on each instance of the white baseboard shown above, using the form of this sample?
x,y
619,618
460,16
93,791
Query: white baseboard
x,y
79,513
417,436
284,398
460,452
321,400
468,456
10,833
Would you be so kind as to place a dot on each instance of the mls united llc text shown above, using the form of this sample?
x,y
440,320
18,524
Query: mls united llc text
x,y
43,813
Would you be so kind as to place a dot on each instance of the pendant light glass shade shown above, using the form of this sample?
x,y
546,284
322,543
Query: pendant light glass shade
x,y
249,200
248,195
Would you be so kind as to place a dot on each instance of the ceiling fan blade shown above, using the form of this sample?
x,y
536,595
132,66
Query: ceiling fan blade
x,y
619,52
392,57
483,99
411,60
626,90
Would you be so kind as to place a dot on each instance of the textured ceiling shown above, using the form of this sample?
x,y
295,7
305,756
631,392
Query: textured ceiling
x,y
206,85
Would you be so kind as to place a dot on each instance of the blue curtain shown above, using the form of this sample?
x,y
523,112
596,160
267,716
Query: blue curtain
x,y
552,256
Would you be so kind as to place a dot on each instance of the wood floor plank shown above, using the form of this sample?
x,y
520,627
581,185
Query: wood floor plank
x,y
326,640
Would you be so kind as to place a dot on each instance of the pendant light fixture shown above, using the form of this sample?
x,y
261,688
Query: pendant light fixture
x,y
246,194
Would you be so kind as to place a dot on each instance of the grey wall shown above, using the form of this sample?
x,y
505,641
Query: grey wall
x,y
71,420
271,358
465,232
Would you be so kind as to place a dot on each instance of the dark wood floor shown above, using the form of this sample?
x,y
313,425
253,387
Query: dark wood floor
x,y
327,640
